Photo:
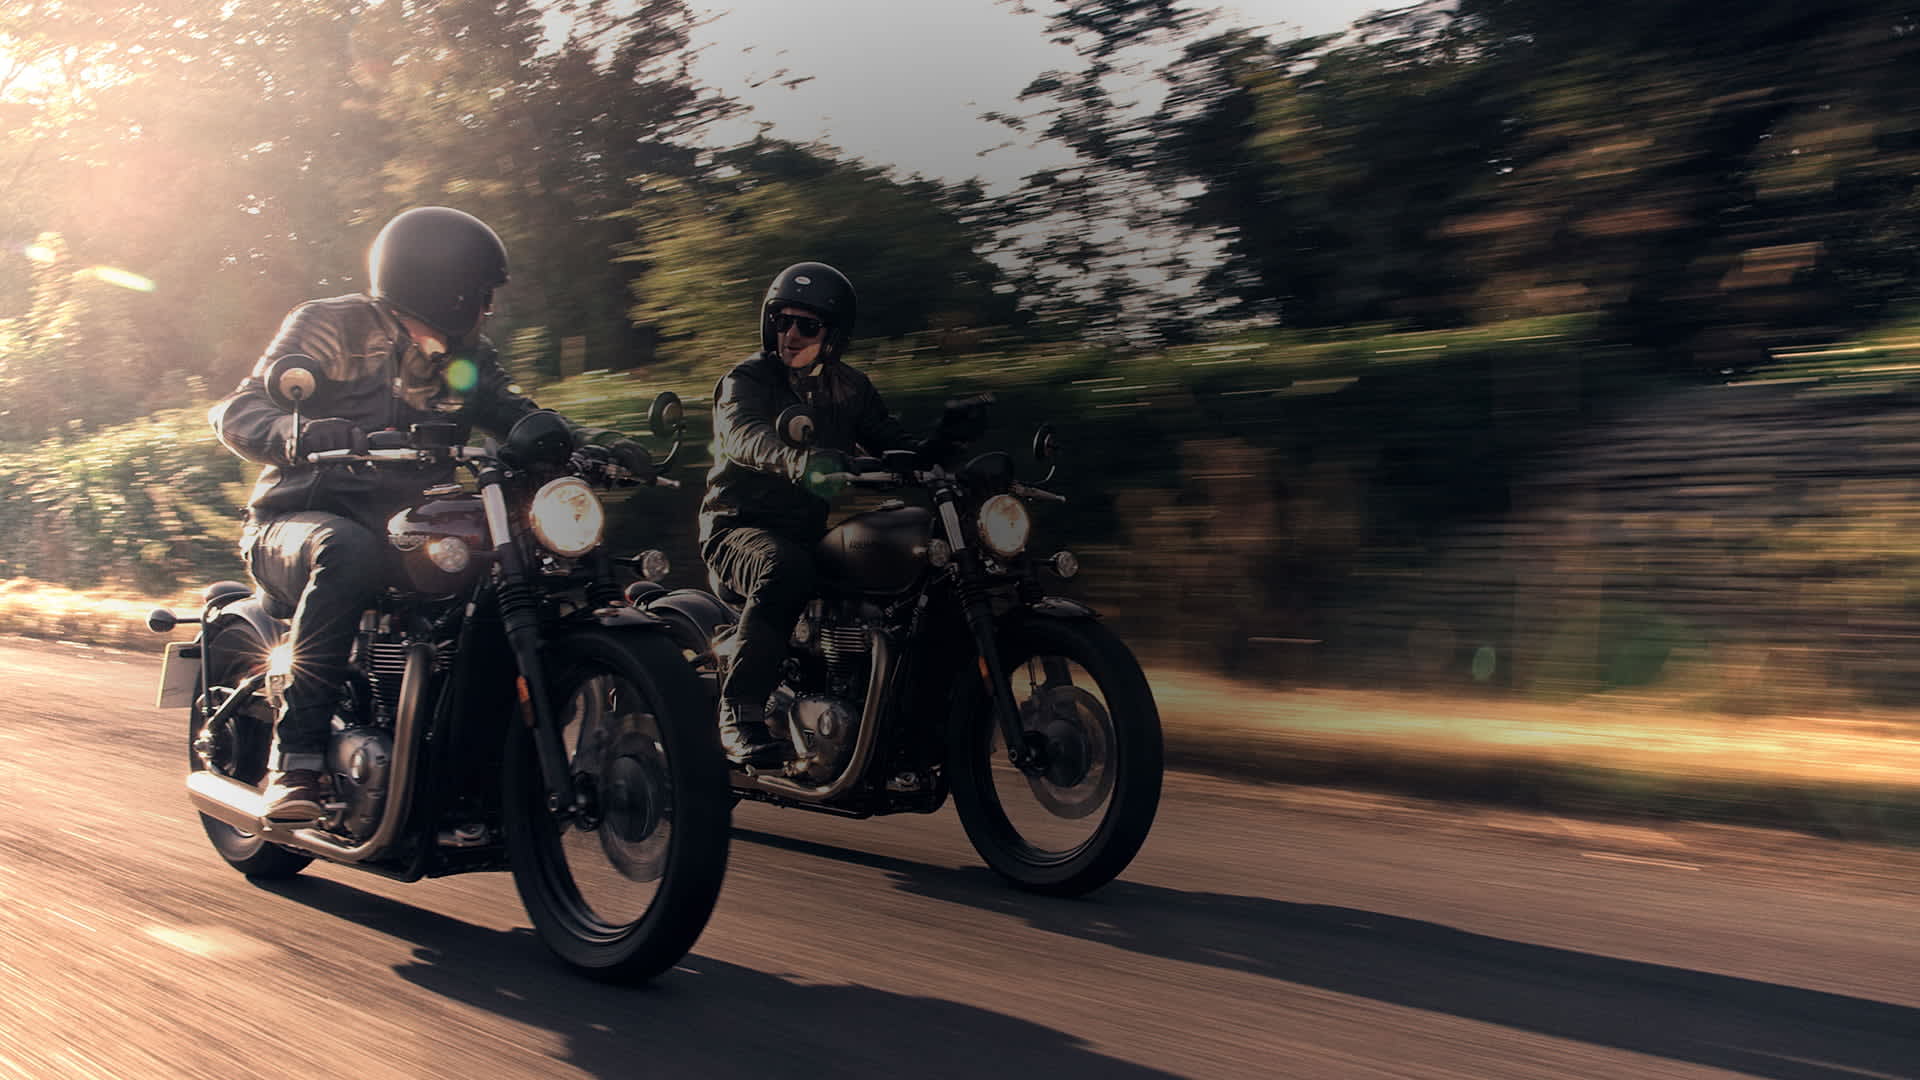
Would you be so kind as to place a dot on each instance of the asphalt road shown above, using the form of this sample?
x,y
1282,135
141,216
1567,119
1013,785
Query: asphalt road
x,y
1263,932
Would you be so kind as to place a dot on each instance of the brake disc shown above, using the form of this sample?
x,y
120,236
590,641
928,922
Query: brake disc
x,y
1077,732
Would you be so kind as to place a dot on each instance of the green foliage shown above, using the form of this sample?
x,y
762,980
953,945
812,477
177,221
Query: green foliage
x,y
67,359
242,154
710,248
1714,182
154,505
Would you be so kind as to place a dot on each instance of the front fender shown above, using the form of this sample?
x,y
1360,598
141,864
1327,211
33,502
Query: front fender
x,y
1059,607
627,618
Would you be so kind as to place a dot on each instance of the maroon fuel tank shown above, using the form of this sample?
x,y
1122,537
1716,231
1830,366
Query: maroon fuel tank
x,y
459,517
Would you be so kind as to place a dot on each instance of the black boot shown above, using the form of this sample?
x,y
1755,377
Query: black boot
x,y
745,738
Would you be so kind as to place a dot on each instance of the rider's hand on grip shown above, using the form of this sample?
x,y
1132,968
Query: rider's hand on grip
x,y
634,458
331,433
964,420
818,475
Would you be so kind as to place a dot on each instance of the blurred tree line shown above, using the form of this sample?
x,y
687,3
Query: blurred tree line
x,y
1712,180
1715,179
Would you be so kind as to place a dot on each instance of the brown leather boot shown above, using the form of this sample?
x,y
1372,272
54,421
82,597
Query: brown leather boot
x,y
745,738
295,797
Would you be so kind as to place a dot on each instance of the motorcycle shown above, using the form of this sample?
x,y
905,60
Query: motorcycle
x,y
935,661
505,710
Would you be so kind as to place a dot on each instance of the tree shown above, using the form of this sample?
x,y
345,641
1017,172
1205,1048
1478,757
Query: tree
x,y
912,249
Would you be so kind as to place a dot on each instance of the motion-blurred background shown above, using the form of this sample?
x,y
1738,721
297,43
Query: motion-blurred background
x,y
1499,346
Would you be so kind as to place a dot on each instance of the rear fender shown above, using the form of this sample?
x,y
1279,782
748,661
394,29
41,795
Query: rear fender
x,y
694,615
249,609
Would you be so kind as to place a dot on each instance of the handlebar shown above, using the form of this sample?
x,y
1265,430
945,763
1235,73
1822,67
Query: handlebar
x,y
470,454
349,457
888,479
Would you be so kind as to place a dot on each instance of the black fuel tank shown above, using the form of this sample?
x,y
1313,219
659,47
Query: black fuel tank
x,y
881,551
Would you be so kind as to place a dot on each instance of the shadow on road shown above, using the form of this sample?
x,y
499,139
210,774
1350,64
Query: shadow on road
x,y
1757,1028
710,1019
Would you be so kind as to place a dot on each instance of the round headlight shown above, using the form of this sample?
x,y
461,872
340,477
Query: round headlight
x,y
449,553
1005,526
654,565
567,517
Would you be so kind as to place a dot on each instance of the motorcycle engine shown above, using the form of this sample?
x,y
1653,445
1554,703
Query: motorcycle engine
x,y
828,725
360,759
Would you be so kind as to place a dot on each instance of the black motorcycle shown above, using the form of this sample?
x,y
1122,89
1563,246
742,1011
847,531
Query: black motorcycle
x,y
506,709
934,660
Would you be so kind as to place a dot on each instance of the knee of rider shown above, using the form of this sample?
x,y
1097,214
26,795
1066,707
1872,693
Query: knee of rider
x,y
791,577
351,553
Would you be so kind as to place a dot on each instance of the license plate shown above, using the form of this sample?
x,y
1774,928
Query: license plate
x,y
179,672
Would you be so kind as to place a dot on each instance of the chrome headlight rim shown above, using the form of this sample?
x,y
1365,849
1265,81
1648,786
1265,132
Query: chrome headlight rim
x,y
1004,525
567,517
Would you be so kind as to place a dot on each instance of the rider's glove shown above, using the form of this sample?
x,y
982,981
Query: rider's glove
x,y
632,457
329,433
820,465
964,421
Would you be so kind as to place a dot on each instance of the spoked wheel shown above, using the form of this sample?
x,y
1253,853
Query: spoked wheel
x,y
237,747
1074,821
622,890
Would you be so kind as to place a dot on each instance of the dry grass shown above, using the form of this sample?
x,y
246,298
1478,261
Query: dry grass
x,y
116,618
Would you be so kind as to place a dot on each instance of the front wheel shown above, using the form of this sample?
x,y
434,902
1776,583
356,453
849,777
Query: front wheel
x,y
622,890
1074,822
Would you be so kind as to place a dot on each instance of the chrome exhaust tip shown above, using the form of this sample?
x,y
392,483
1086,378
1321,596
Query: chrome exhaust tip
x,y
226,800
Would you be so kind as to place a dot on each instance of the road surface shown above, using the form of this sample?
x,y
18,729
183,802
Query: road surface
x,y
1269,932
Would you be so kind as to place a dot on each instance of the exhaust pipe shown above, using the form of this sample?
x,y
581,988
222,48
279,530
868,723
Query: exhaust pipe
x,y
233,803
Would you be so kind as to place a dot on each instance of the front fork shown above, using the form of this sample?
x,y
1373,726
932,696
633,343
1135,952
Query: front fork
x,y
978,606
520,614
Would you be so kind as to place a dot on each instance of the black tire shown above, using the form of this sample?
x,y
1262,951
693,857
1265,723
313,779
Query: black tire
x,y
1128,781
693,803
235,651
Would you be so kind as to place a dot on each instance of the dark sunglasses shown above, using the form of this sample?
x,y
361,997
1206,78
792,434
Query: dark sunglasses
x,y
808,327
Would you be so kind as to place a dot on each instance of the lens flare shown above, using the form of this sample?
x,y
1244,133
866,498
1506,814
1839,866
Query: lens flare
x,y
463,375
126,279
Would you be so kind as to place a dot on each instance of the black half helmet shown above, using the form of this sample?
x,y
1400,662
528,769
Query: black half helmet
x,y
818,288
439,265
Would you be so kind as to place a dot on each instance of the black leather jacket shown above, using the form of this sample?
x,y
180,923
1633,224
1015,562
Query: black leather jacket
x,y
378,378
755,479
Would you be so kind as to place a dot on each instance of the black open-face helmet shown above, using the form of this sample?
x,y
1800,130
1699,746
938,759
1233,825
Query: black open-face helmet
x,y
820,289
439,265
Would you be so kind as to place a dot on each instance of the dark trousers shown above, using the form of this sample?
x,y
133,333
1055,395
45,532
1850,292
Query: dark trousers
x,y
776,575
328,569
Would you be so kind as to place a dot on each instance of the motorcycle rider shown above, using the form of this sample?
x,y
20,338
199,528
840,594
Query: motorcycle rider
x,y
409,351
766,502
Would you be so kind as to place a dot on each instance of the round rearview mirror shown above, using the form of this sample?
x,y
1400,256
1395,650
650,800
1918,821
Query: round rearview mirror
x,y
540,438
1045,445
293,380
666,418
795,426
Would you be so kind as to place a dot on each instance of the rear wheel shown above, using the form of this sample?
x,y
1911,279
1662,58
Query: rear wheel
x,y
622,891
1073,824
237,747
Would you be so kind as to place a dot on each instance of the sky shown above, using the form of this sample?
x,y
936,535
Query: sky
x,y
903,82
